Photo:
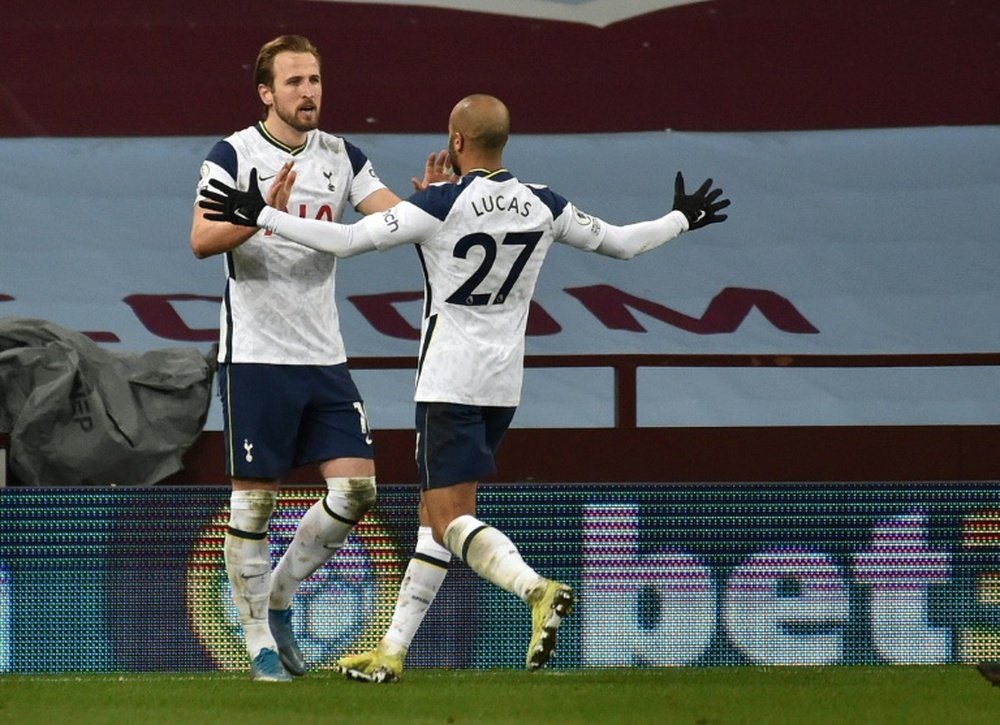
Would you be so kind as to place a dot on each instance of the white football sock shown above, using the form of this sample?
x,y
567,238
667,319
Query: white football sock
x,y
248,564
490,554
423,578
321,532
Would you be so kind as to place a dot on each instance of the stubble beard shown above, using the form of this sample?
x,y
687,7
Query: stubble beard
x,y
292,121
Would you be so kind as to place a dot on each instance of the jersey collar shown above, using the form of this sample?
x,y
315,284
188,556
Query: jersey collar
x,y
497,175
293,150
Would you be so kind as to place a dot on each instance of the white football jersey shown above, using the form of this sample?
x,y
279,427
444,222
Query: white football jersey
x,y
279,305
481,244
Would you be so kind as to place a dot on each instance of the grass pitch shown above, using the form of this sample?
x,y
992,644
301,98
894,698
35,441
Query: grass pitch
x,y
940,694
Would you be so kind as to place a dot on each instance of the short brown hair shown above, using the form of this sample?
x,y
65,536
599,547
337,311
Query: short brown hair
x,y
263,71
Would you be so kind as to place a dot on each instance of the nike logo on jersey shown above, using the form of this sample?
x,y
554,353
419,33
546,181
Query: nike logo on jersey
x,y
265,178
252,576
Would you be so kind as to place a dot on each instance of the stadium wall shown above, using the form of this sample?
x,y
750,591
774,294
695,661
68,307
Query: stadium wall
x,y
564,66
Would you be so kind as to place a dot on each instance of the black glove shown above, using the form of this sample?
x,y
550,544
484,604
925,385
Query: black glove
x,y
701,207
232,205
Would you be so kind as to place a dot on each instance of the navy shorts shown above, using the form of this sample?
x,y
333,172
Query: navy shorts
x,y
277,417
456,443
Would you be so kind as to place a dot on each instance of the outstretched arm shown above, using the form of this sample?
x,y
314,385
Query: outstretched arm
x,y
223,203
630,240
691,211
342,240
402,224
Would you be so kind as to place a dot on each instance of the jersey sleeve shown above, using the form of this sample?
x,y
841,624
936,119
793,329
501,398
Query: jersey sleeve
x,y
630,240
402,224
589,233
405,223
365,181
221,163
577,229
570,225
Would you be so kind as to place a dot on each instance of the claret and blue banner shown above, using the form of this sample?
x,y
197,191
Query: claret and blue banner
x,y
667,575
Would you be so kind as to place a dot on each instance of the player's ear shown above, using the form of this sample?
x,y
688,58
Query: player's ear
x,y
266,94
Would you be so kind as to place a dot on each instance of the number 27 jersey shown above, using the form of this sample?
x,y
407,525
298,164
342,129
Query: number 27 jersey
x,y
481,244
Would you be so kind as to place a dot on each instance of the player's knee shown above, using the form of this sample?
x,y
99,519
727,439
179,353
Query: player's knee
x,y
458,533
250,510
354,494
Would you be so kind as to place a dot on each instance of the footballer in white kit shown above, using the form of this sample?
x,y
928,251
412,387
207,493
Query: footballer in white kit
x,y
288,398
279,309
481,244
279,300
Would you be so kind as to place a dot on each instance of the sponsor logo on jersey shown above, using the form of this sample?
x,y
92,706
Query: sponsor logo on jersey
x,y
391,221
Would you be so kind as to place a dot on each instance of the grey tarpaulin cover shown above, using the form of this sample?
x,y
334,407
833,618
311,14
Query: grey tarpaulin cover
x,y
79,414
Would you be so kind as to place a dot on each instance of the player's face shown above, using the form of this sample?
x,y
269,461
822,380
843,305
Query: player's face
x,y
297,90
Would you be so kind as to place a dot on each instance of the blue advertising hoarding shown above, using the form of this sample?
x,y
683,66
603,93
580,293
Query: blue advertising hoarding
x,y
667,575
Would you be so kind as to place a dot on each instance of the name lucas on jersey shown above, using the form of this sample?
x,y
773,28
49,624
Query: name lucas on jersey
x,y
486,204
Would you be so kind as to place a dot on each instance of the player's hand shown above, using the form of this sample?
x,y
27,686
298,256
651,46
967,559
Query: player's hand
x,y
703,206
281,187
436,171
227,204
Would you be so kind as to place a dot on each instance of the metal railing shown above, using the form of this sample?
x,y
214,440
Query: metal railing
x,y
625,367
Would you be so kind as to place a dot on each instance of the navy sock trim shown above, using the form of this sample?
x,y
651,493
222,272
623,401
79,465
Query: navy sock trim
x,y
430,560
469,538
253,535
343,520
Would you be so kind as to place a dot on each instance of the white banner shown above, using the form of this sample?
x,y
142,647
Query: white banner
x,y
593,12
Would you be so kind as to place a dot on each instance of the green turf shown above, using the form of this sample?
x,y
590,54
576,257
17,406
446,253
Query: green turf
x,y
942,694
